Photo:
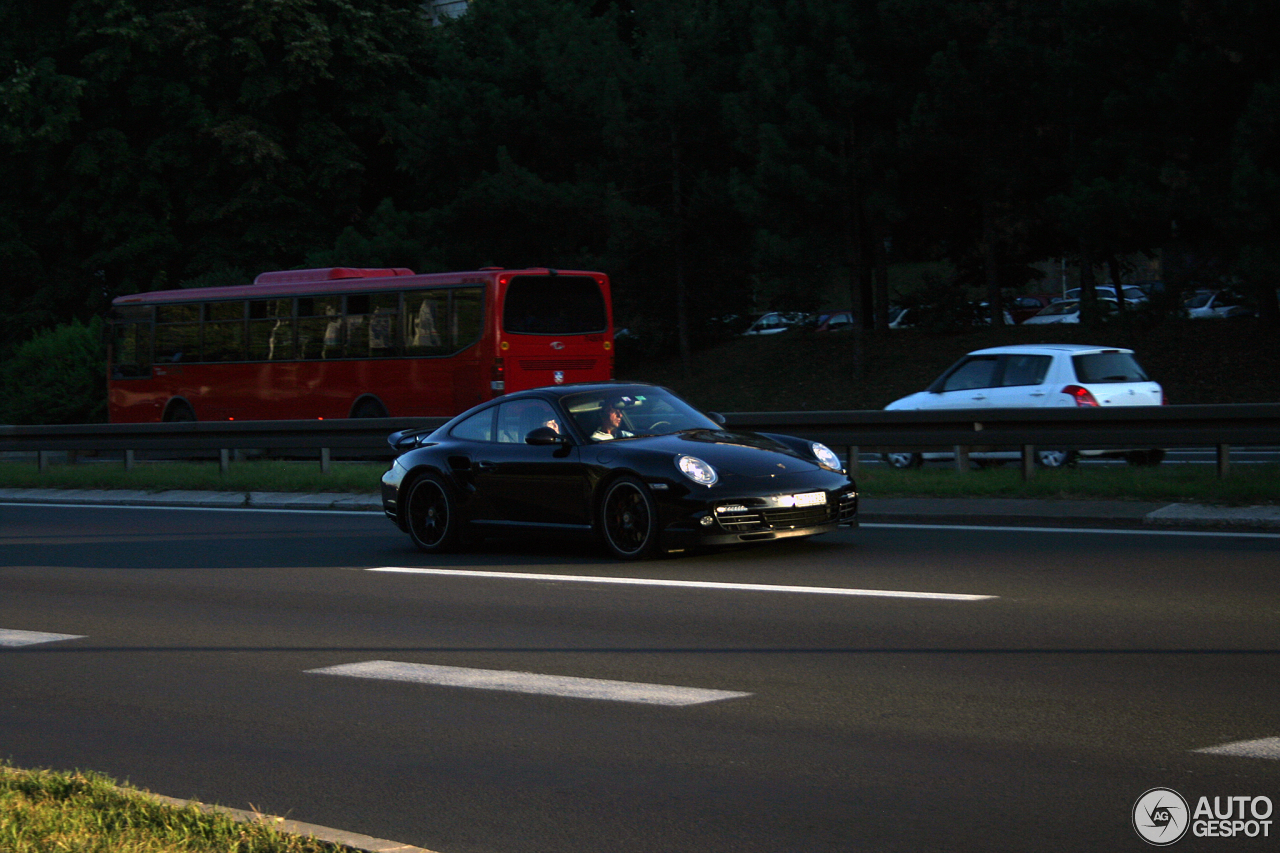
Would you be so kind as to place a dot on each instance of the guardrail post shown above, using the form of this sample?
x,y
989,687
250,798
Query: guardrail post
x,y
224,460
962,458
42,461
1224,459
853,460
324,460
1028,462
128,460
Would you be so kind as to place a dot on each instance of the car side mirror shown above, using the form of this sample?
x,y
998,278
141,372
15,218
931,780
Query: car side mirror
x,y
717,417
544,436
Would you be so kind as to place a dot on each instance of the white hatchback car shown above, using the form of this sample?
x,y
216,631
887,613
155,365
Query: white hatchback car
x,y
1038,376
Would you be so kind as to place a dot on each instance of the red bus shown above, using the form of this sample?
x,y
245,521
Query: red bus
x,y
343,342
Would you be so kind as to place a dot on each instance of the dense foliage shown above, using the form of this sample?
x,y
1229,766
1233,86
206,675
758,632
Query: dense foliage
x,y
57,377
714,156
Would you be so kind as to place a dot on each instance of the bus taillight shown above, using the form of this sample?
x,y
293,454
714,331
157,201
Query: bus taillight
x,y
497,382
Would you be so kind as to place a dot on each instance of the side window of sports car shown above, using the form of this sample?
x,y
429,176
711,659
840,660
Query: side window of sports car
x,y
520,417
478,427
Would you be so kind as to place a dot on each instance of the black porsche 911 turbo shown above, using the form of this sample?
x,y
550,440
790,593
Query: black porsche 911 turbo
x,y
632,464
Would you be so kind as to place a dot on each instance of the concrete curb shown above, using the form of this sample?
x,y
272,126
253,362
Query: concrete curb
x,y
348,840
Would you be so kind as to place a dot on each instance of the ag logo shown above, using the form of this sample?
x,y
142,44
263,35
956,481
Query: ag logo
x,y
1161,817
559,377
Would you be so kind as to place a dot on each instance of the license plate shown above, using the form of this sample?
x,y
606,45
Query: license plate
x,y
807,499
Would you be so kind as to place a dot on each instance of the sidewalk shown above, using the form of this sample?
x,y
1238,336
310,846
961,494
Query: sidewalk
x,y
976,511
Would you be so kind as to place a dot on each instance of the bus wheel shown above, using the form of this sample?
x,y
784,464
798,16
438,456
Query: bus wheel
x,y
179,412
369,409
431,514
629,519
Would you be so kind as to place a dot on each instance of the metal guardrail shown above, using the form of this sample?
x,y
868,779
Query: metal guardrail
x,y
963,431
959,430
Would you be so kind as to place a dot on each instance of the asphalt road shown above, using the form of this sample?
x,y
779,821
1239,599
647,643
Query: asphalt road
x,y
1086,668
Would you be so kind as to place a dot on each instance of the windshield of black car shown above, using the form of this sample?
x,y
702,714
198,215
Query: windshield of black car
x,y
1108,367
645,411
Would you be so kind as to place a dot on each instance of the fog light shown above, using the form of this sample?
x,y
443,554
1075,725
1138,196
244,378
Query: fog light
x,y
706,521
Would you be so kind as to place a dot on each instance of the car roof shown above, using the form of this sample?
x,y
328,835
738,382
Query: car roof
x,y
582,388
1047,349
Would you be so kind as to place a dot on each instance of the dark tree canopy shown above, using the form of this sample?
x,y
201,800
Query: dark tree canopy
x,y
714,156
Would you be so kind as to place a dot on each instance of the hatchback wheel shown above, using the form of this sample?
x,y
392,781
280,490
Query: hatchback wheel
x,y
902,460
1145,458
1056,458
629,519
431,514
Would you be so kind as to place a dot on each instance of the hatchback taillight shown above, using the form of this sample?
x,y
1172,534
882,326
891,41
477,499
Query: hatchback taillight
x,y
1081,395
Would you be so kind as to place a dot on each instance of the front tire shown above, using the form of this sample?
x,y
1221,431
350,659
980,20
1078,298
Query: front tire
x,y
431,515
629,519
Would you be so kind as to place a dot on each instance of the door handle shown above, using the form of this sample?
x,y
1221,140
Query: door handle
x,y
485,465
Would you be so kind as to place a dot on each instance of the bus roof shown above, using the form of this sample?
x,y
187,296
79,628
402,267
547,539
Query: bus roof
x,y
334,280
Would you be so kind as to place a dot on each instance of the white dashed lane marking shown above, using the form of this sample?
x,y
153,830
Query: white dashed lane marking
x,y
565,686
1267,747
11,637
740,587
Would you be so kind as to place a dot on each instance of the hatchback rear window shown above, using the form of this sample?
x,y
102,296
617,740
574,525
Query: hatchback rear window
x,y
1108,367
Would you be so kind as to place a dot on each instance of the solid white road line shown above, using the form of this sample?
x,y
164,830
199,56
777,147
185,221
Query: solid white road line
x,y
1113,531
11,637
744,587
527,682
1267,747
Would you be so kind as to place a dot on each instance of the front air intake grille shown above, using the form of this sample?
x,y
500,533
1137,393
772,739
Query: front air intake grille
x,y
742,519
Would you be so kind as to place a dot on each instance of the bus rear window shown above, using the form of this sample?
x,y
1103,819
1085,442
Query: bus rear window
x,y
554,305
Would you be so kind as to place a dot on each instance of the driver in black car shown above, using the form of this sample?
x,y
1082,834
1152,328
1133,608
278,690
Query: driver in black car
x,y
611,423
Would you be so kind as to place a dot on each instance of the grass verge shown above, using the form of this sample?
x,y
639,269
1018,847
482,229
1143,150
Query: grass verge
x,y
1245,484
42,811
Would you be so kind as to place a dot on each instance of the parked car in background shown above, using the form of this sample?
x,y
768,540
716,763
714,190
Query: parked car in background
x,y
830,321
1216,304
1039,376
775,322
1132,295
1068,311
1022,308
902,318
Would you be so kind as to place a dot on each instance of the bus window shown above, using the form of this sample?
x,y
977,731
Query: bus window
x,y
426,315
319,327
178,332
224,331
270,329
131,343
468,317
371,324
554,305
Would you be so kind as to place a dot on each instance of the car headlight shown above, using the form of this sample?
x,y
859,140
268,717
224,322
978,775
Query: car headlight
x,y
825,456
697,470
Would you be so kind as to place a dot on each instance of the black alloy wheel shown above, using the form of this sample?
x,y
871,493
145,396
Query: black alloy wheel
x,y
629,519
431,514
